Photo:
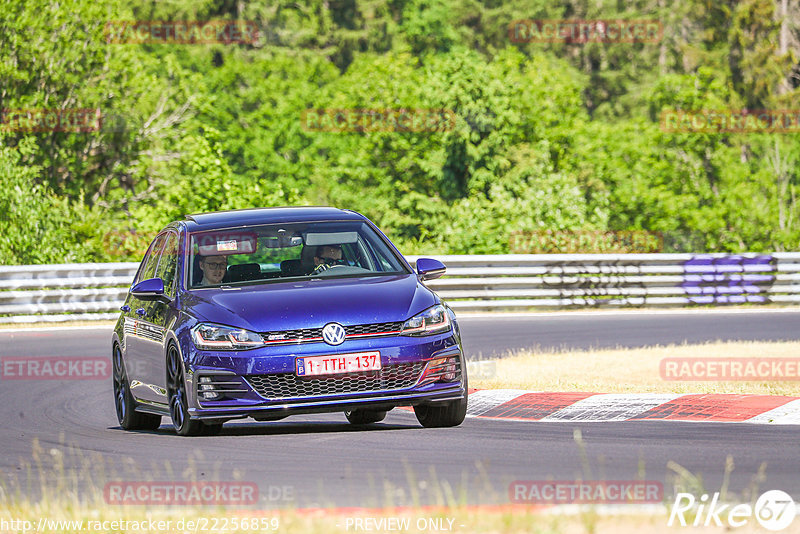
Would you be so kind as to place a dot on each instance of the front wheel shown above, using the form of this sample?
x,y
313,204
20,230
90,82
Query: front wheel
x,y
365,417
178,403
211,430
450,414
128,417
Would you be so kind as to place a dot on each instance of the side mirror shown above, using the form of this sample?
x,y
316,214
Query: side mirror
x,y
150,289
429,269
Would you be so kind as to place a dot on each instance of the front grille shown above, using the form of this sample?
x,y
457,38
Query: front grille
x,y
302,335
377,328
289,385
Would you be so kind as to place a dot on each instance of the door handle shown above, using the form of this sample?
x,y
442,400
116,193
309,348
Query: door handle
x,y
125,308
141,312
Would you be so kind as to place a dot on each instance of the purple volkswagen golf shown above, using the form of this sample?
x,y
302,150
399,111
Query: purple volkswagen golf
x,y
272,312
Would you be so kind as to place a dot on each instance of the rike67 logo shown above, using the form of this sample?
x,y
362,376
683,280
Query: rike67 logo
x,y
774,510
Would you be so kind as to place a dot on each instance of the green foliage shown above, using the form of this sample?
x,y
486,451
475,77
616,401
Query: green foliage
x,y
38,226
544,136
428,26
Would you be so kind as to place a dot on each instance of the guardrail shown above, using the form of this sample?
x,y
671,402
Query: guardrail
x,y
51,293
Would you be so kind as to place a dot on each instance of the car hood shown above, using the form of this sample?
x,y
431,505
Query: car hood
x,y
311,303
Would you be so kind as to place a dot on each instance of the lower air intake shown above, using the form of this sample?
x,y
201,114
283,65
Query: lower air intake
x,y
289,385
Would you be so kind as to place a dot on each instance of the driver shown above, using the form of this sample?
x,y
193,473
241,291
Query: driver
x,y
214,269
327,256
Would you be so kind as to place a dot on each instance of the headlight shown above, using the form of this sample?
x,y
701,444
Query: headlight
x,y
217,337
431,321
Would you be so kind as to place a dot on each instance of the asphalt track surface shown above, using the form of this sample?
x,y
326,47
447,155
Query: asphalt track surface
x,y
320,460
493,336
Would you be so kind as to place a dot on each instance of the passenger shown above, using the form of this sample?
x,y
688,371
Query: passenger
x,y
327,256
214,269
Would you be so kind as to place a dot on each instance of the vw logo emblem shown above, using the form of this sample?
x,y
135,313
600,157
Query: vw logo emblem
x,y
333,334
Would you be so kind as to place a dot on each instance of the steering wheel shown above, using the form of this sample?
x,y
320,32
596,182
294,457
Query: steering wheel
x,y
324,267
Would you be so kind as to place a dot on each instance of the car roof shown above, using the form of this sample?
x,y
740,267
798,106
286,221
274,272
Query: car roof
x,y
257,216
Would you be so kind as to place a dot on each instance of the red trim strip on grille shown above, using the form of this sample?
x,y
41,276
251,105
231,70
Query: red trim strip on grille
x,y
311,339
372,334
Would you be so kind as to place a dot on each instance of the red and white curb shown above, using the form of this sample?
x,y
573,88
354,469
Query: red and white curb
x,y
520,405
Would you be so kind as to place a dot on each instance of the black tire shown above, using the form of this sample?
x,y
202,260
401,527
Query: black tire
x,y
182,422
211,430
450,414
128,417
365,417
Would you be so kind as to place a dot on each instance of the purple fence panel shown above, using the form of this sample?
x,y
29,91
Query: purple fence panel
x,y
732,279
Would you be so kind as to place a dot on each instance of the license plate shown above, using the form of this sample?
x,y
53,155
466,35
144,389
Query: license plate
x,y
339,364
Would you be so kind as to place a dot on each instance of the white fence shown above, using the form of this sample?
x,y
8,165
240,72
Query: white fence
x,y
48,293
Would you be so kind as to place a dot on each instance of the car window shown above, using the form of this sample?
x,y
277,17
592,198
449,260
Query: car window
x,y
270,253
168,264
151,260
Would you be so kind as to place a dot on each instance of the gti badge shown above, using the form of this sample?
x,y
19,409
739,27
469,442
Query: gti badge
x,y
333,334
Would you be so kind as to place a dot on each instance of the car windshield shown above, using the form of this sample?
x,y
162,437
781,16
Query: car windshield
x,y
270,253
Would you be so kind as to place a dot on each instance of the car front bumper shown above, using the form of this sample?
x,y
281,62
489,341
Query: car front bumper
x,y
237,368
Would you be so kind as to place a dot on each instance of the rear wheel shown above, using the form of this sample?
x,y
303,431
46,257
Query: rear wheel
x,y
365,417
178,402
128,417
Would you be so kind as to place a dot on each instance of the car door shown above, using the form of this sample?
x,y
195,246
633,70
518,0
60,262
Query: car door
x,y
138,330
159,318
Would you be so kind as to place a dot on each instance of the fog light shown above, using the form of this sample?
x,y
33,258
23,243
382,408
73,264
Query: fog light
x,y
450,371
207,388
441,370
